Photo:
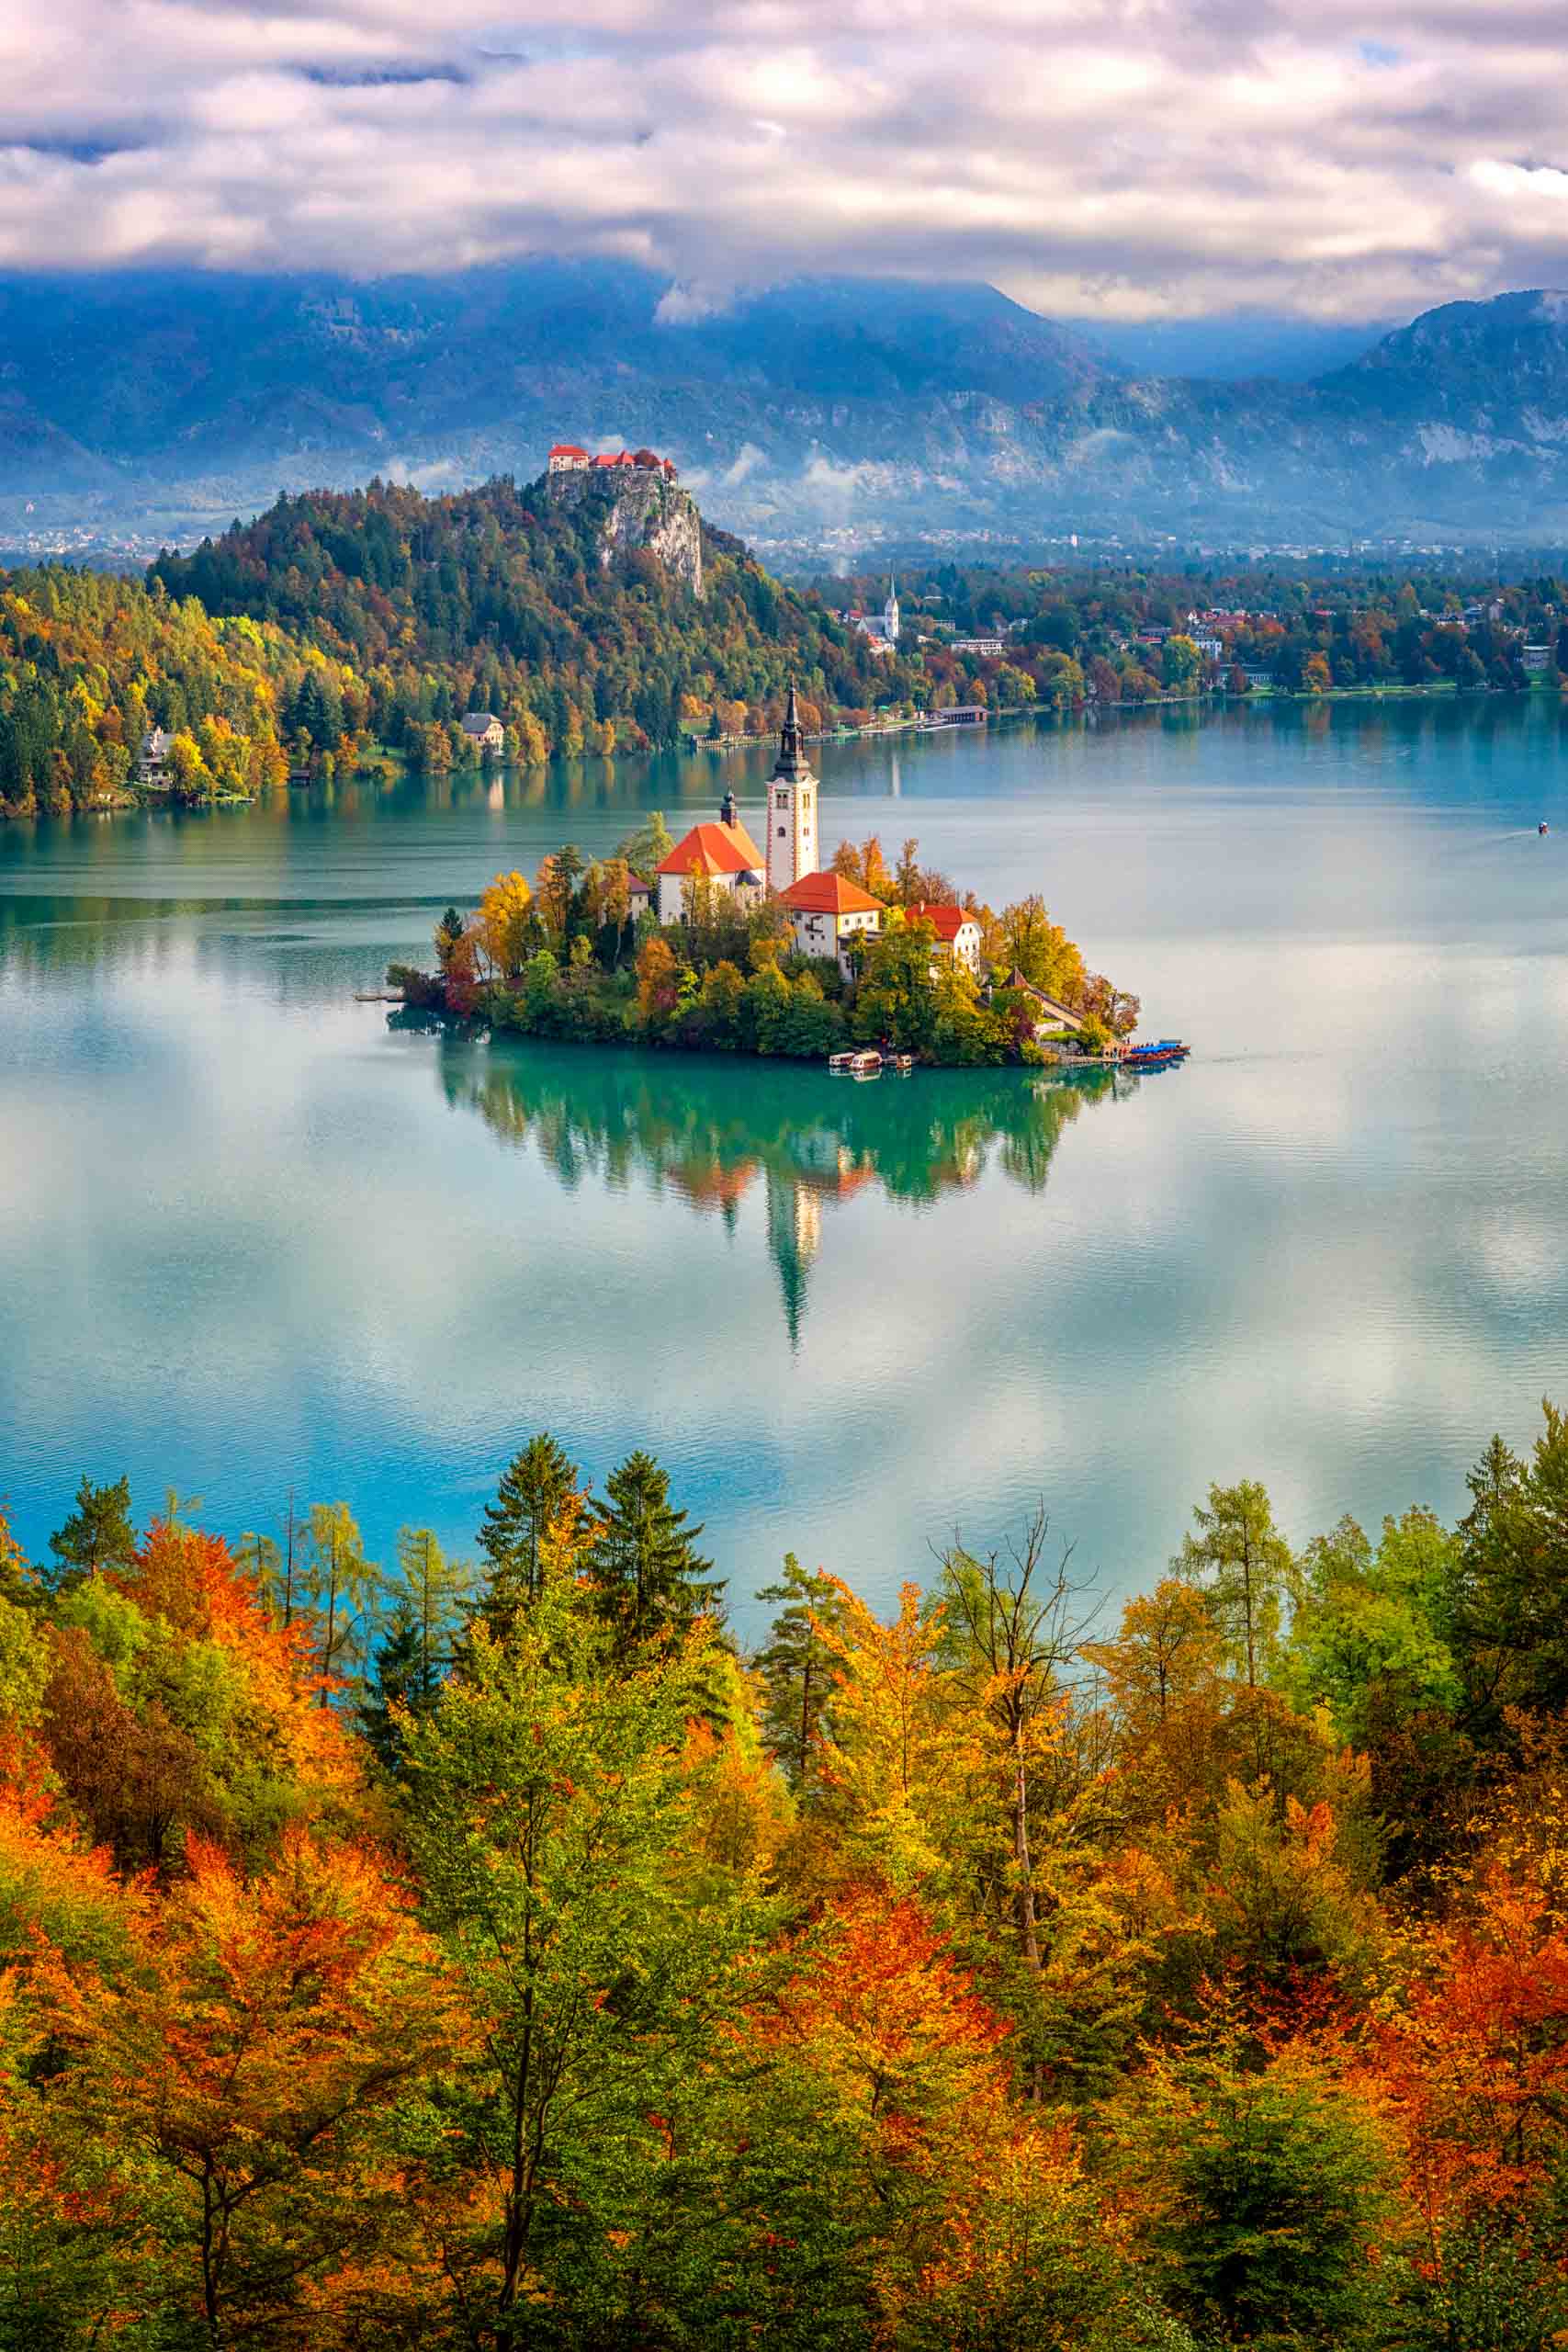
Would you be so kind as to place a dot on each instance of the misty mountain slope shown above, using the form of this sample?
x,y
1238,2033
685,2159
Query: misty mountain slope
x,y
822,411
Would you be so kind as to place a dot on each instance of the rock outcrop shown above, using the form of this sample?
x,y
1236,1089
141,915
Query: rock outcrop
x,y
634,511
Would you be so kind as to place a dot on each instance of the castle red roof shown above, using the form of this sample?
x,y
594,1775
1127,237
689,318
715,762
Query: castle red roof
x,y
714,849
947,921
829,894
567,450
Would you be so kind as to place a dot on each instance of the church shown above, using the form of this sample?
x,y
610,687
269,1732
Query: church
x,y
884,627
826,912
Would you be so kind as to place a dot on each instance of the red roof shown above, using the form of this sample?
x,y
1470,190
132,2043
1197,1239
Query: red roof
x,y
567,450
947,921
829,894
714,849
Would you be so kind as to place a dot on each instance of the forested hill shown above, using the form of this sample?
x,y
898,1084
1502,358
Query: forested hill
x,y
599,621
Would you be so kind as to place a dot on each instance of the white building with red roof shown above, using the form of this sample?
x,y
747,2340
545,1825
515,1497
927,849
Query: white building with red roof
x,y
827,912
723,855
957,932
565,457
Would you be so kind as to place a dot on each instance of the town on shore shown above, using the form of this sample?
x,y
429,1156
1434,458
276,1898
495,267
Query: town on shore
x,y
593,613
714,941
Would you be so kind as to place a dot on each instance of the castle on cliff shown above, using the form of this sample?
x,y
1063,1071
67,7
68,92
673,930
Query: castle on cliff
x,y
565,457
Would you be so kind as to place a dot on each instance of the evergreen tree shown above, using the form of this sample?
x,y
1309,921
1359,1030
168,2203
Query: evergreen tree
x,y
98,1533
398,1680
448,932
534,1488
796,1668
652,1579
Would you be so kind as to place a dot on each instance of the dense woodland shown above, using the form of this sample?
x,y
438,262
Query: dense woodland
x,y
497,599
563,959
502,1952
342,627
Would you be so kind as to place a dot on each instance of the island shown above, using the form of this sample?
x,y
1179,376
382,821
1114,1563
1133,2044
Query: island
x,y
714,942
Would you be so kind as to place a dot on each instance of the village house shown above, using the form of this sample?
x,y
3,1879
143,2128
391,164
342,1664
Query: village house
x,y
639,897
958,934
724,854
153,761
483,727
827,912
989,649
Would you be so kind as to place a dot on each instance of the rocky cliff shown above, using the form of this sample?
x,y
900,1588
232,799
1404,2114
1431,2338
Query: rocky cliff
x,y
634,511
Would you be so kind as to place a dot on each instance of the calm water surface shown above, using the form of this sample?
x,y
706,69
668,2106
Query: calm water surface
x,y
253,1235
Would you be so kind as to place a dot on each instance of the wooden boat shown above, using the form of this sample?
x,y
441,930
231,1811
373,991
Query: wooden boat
x,y
865,1063
902,1063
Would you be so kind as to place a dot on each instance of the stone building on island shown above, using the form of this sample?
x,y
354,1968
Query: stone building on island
x,y
723,855
828,913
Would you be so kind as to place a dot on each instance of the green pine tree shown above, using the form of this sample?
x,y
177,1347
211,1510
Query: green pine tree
x,y
535,1487
98,1533
653,1580
796,1668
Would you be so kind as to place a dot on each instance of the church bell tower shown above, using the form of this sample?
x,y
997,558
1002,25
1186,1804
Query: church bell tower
x,y
792,807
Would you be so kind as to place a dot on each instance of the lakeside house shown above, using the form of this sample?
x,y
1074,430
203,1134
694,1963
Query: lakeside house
x,y
827,912
639,897
483,727
152,772
989,649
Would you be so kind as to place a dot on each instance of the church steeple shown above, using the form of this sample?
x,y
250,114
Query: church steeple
x,y
789,762
791,809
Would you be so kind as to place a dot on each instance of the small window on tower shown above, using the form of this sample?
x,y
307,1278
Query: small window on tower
x,y
783,832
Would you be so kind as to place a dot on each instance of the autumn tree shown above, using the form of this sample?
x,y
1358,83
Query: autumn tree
x,y
257,2059
1241,1563
1014,1624
340,1585
550,1813
506,926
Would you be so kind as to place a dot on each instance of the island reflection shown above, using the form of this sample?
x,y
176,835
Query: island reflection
x,y
709,1130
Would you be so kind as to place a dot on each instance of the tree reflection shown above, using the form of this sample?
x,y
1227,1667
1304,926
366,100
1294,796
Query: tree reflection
x,y
710,1130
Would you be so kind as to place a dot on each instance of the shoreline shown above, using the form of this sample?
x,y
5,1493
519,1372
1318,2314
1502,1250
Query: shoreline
x,y
1444,690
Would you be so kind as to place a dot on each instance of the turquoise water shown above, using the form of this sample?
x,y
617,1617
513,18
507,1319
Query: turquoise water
x,y
253,1235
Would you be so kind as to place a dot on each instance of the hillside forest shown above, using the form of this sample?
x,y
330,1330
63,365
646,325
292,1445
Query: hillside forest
x,y
340,630
501,1951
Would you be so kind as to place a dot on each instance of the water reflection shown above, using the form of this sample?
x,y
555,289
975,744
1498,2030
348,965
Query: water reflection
x,y
709,1131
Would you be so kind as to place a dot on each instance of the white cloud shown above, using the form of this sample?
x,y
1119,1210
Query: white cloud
x,y
1117,157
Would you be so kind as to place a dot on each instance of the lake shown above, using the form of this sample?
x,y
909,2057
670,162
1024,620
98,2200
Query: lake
x,y
256,1236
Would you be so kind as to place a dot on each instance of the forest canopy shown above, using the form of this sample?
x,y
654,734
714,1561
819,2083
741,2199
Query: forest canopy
x,y
500,1951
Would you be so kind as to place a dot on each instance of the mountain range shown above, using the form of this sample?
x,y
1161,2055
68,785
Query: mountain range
x,y
818,416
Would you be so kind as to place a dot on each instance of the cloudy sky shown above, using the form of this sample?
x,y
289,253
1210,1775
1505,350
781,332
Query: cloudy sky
x,y
1114,158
